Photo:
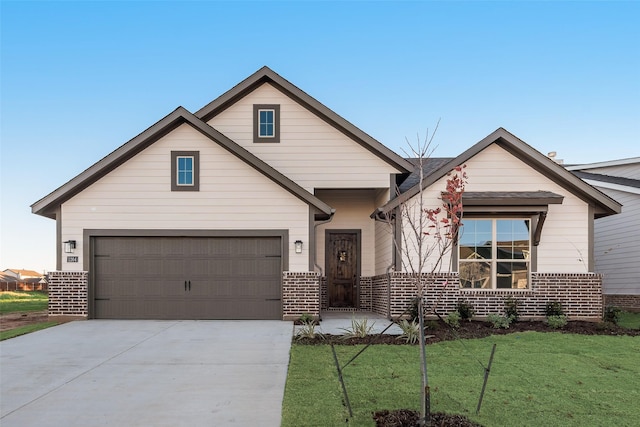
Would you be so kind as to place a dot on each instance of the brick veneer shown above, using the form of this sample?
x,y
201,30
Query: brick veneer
x,y
300,294
625,302
68,294
580,295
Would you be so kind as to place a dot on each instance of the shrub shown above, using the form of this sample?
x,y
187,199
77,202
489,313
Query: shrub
x,y
512,308
556,322
308,330
499,322
358,329
410,331
465,310
553,308
453,319
305,318
612,314
432,324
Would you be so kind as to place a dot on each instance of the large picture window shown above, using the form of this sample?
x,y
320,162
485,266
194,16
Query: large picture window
x,y
495,253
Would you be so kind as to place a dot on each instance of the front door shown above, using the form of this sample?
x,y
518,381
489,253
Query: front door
x,y
342,256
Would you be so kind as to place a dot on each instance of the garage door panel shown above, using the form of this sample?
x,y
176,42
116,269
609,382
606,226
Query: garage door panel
x,y
187,278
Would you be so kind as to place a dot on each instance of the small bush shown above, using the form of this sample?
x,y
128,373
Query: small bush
x,y
499,322
358,329
512,308
612,314
453,319
556,322
432,324
553,308
410,331
305,318
308,330
465,310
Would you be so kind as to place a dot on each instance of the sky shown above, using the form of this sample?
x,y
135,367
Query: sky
x,y
79,79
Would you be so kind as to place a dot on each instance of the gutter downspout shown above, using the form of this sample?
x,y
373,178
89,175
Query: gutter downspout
x,y
391,267
315,258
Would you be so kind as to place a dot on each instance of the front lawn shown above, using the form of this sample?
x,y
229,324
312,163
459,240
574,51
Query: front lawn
x,y
14,302
629,320
536,379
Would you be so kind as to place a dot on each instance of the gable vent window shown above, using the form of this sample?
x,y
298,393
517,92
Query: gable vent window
x,y
185,171
266,123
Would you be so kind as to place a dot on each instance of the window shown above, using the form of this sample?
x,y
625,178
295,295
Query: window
x,y
185,171
495,253
266,119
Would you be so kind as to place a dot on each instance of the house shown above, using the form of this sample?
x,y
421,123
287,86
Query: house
x,y
13,279
616,247
266,204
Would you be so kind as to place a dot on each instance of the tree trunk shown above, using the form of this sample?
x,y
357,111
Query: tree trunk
x,y
425,411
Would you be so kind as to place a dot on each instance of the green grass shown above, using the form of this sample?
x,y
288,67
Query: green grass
x,y
629,320
16,302
536,379
27,329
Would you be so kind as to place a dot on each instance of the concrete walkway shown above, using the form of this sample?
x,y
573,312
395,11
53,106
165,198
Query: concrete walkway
x,y
146,373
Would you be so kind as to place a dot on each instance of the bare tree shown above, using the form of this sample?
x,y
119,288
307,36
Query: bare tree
x,y
427,236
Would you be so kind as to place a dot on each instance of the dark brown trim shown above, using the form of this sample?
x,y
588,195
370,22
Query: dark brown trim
x,y
397,236
536,160
542,216
196,171
591,264
266,75
47,205
510,198
256,123
312,240
58,217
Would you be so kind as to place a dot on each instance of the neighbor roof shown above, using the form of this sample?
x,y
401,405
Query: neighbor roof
x,y
48,205
267,75
604,205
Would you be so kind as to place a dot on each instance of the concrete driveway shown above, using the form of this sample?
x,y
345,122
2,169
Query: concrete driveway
x,y
146,373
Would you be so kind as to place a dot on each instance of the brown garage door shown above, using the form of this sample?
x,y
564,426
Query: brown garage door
x,y
187,277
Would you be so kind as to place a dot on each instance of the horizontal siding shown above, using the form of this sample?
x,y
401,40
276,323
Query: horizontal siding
x,y
232,196
625,171
564,245
384,239
353,208
311,152
617,246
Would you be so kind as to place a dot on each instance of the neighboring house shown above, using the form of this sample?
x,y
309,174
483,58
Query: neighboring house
x,y
22,280
265,204
617,238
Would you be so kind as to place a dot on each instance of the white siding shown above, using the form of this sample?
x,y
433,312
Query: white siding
x,y
232,196
311,152
384,239
564,244
353,208
617,245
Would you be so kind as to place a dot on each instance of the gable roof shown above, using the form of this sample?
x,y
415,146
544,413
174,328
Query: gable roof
x,y
48,205
619,183
603,204
605,164
266,75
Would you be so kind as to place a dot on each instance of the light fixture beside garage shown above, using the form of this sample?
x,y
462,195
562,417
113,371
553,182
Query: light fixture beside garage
x,y
69,246
298,244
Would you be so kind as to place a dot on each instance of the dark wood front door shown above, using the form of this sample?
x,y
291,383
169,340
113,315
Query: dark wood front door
x,y
342,257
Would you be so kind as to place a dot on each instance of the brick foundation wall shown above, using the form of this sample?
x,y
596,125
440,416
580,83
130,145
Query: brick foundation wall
x,y
324,299
380,295
68,293
580,295
625,302
366,287
300,294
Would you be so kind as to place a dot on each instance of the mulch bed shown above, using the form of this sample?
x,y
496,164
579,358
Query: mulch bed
x,y
409,418
438,331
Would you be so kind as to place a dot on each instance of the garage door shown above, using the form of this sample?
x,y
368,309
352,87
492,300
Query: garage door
x,y
187,277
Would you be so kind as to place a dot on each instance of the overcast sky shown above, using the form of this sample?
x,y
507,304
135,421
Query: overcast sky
x,y
79,79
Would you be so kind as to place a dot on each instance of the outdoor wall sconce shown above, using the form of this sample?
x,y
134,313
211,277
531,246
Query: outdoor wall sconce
x,y
298,244
69,246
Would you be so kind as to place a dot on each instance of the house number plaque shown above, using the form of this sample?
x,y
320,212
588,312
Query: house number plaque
x,y
72,259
